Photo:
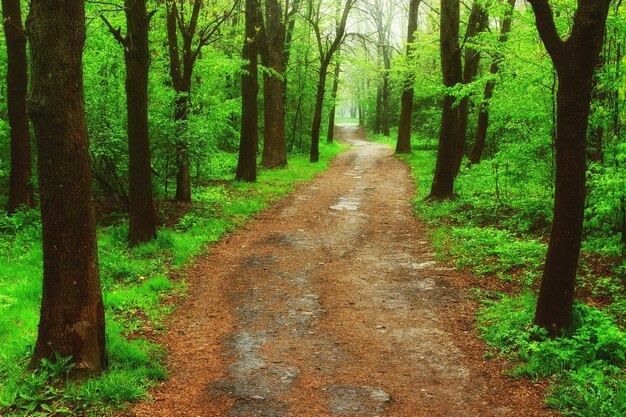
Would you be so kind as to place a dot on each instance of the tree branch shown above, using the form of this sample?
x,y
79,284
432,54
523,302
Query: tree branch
x,y
547,29
117,33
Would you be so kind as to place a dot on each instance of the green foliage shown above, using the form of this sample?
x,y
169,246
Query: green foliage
x,y
588,365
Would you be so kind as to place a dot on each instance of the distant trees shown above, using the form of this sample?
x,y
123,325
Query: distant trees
x,y
575,61
72,313
20,188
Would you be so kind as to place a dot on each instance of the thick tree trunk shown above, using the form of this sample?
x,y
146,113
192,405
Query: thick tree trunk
x,y
477,24
575,61
330,136
557,288
246,166
443,181
72,313
20,189
142,217
404,127
272,54
483,110
317,115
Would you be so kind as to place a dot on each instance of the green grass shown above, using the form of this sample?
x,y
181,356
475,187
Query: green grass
x,y
134,281
497,226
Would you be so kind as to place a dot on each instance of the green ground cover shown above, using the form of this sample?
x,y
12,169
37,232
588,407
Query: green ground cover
x,y
135,283
496,228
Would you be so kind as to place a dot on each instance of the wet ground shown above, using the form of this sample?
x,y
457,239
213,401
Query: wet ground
x,y
331,304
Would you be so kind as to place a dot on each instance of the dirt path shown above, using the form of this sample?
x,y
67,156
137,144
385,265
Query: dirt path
x,y
331,304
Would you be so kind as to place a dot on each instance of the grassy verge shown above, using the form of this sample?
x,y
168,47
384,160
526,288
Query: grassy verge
x,y
497,229
134,281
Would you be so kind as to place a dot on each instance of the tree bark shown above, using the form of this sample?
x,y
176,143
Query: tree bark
x,y
477,23
575,61
272,55
443,182
330,136
141,214
326,55
483,110
317,115
72,313
404,127
246,166
20,189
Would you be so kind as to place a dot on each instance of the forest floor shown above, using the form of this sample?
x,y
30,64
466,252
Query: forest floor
x,y
331,304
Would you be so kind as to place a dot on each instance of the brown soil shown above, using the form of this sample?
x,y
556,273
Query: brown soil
x,y
331,304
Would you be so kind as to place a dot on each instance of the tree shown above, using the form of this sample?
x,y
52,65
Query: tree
x,y
326,48
141,217
477,23
272,47
404,127
575,61
72,313
20,189
330,135
483,110
246,165
182,61
443,182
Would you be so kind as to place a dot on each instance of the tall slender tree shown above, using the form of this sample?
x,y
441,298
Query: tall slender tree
x,y
327,46
575,61
330,135
483,110
477,23
443,182
194,36
246,165
20,189
404,127
72,313
142,216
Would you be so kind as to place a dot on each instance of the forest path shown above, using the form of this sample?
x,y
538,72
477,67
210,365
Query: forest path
x,y
331,304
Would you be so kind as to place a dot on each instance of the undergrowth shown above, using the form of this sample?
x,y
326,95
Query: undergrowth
x,y
497,227
135,282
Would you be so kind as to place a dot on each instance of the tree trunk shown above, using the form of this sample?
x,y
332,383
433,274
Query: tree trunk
x,y
443,182
477,23
483,110
575,61
72,313
378,121
20,189
404,127
142,217
483,118
246,166
385,102
272,54
317,115
330,136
